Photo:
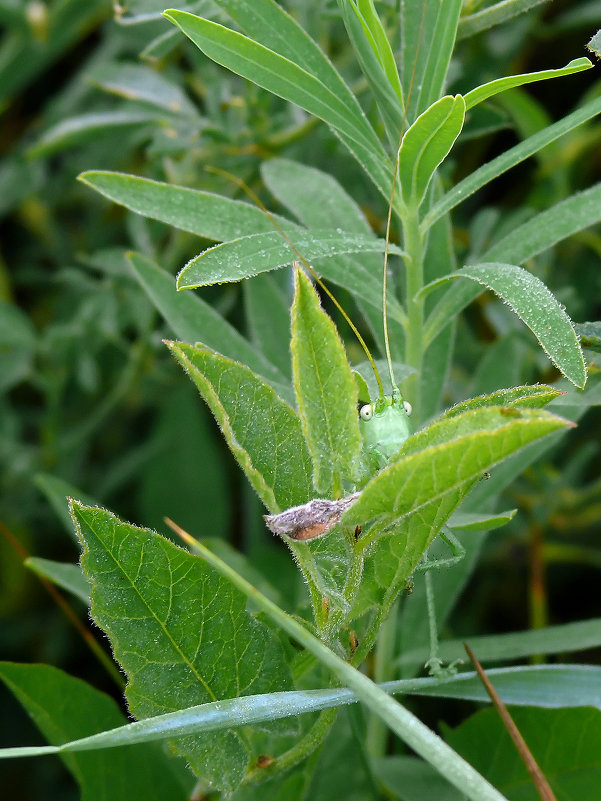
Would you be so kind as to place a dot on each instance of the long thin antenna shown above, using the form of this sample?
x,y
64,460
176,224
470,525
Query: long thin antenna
x,y
257,200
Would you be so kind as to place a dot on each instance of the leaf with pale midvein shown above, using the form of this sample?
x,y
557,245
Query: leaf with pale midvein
x,y
180,632
325,391
536,306
203,213
481,93
424,66
526,397
426,144
262,431
497,166
295,82
258,253
412,499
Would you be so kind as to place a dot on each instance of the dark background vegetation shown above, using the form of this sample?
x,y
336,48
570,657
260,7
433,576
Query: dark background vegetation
x,y
88,392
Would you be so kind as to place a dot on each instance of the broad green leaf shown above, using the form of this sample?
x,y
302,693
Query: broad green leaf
x,y
141,83
466,521
65,708
63,574
180,632
402,722
424,65
413,498
590,335
527,397
257,253
263,432
515,155
563,742
325,391
549,227
547,686
193,320
86,127
565,638
494,14
426,144
537,307
448,584
373,52
295,83
481,93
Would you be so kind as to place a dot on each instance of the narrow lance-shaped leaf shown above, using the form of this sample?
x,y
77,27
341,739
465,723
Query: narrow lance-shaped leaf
x,y
424,66
262,431
537,307
258,253
203,213
426,144
221,219
325,390
317,200
373,52
289,80
550,686
527,397
481,93
179,630
497,166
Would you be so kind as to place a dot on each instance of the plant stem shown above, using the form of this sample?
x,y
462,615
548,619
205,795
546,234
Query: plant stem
x,y
303,748
384,662
414,262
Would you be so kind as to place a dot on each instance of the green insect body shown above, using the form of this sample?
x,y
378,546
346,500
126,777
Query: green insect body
x,y
384,427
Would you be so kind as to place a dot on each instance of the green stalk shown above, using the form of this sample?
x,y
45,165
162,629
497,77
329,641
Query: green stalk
x,y
414,263
384,670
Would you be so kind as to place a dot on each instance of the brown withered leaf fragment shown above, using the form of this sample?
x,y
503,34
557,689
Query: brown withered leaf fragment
x,y
309,520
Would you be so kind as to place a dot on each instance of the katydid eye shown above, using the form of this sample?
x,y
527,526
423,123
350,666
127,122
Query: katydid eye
x,y
407,407
366,412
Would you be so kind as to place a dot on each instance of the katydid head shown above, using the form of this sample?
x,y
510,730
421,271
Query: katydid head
x,y
385,426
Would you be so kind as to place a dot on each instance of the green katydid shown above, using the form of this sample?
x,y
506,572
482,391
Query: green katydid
x,y
383,422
